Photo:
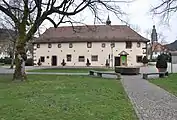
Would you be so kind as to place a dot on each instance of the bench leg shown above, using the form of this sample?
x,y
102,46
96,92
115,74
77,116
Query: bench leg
x,y
99,74
91,73
145,76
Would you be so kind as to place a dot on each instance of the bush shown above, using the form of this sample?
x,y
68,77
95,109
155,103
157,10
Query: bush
x,y
161,62
145,60
63,63
7,60
88,62
1,60
29,62
107,63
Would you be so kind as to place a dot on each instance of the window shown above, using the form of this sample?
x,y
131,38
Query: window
x,y
81,59
103,45
42,58
139,59
94,58
68,57
38,45
138,44
128,44
112,45
89,44
59,45
70,45
49,45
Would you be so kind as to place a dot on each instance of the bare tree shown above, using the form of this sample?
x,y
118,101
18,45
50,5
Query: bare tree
x,y
165,9
32,13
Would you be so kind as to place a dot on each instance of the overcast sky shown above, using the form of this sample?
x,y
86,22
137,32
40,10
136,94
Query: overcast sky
x,y
138,14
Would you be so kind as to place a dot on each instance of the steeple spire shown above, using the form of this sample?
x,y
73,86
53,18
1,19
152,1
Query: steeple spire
x,y
108,22
154,35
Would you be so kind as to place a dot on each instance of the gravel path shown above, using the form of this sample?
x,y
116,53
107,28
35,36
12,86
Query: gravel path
x,y
150,101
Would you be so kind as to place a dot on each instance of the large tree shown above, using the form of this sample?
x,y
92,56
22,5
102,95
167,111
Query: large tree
x,y
32,13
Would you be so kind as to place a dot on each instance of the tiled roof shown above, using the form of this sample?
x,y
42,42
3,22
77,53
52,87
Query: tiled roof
x,y
91,33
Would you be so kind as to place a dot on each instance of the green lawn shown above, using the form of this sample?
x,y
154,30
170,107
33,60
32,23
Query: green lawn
x,y
69,70
168,83
51,97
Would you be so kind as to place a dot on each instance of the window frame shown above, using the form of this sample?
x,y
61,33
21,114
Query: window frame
x,y
93,60
59,45
67,58
70,45
49,45
42,58
137,60
103,45
128,46
80,59
138,44
38,45
89,44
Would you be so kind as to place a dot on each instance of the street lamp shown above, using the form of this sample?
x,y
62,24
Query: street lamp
x,y
112,46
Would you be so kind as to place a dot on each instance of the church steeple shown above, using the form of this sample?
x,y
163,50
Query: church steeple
x,y
154,35
108,22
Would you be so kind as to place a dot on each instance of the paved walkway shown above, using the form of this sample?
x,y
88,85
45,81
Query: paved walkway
x,y
150,101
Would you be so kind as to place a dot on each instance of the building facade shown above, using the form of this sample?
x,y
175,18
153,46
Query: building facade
x,y
117,45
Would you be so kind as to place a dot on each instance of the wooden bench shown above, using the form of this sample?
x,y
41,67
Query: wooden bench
x,y
163,74
100,73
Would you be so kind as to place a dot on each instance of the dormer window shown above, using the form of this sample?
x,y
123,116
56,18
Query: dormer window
x,y
38,45
70,45
138,44
49,45
59,45
89,44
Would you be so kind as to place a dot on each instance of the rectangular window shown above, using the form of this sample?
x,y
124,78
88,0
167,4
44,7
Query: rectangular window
x,y
70,45
139,59
128,44
68,58
42,58
89,44
138,44
112,45
49,45
38,45
94,58
81,59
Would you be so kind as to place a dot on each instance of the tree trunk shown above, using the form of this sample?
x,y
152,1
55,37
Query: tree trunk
x,y
13,57
20,58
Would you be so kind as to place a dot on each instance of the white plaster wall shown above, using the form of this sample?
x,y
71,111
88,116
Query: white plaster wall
x,y
80,49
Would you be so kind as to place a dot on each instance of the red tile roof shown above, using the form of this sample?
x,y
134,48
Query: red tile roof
x,y
91,33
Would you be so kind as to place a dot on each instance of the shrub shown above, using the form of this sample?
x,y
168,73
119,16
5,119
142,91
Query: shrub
x,y
63,63
39,62
161,62
7,60
145,60
107,63
1,60
88,62
29,62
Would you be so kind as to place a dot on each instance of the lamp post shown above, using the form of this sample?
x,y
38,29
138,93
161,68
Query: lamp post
x,y
112,46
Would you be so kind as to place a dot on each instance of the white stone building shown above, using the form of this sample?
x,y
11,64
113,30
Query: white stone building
x,y
117,44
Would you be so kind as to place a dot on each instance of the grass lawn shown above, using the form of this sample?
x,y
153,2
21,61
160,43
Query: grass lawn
x,y
69,70
169,83
51,97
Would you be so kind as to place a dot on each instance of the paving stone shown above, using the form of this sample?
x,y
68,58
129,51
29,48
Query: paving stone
x,y
150,101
